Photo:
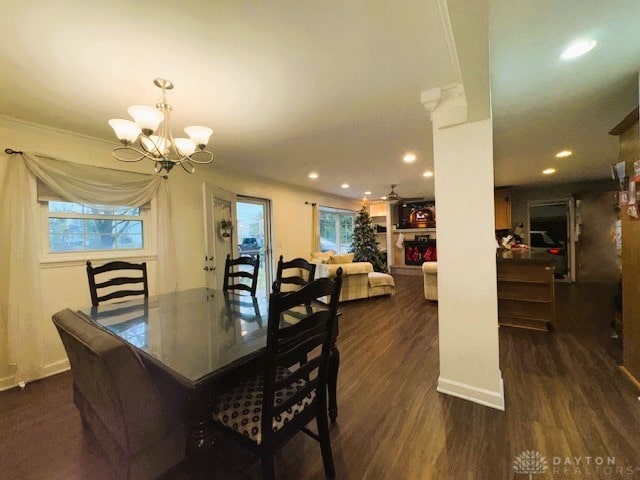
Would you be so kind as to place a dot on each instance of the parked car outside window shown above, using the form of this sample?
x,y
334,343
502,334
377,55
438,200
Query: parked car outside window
x,y
544,246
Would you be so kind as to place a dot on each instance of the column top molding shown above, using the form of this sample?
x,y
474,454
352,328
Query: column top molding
x,y
447,106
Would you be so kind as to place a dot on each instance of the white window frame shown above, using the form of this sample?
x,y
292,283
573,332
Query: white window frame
x,y
339,211
53,259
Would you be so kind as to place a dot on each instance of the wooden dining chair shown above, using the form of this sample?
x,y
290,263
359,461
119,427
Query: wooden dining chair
x,y
234,274
264,412
302,272
110,277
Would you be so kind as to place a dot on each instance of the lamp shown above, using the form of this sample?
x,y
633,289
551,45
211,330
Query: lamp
x,y
149,136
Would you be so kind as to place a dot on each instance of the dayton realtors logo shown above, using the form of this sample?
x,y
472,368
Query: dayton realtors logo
x,y
530,463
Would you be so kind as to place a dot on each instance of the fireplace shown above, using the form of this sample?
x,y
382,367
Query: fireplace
x,y
418,252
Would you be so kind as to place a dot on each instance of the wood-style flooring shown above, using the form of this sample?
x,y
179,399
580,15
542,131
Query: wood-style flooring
x,y
565,397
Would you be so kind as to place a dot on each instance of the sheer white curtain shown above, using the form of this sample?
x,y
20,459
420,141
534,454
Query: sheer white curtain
x,y
20,301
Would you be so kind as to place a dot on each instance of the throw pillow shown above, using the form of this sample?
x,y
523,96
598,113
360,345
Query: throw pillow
x,y
321,257
346,258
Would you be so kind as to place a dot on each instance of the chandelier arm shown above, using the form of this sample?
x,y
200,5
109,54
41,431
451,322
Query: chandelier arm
x,y
187,162
142,154
201,162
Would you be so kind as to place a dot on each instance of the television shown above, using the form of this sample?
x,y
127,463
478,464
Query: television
x,y
417,214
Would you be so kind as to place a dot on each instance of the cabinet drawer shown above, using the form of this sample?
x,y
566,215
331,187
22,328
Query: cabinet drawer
x,y
537,292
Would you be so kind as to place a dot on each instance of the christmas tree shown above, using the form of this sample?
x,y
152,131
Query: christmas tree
x,y
365,244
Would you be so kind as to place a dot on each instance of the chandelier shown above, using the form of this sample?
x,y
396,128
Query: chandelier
x,y
149,136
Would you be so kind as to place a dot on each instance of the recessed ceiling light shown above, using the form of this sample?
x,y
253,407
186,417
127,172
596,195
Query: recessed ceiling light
x,y
313,175
549,171
564,153
344,185
409,158
428,173
383,198
578,48
367,192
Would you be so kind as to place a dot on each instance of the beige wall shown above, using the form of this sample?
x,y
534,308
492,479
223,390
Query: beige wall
x,y
66,285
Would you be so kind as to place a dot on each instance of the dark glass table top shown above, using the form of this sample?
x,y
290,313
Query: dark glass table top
x,y
195,333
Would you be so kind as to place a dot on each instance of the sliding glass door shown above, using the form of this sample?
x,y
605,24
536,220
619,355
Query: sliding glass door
x,y
254,236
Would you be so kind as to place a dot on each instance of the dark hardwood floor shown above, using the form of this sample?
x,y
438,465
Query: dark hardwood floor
x,y
565,397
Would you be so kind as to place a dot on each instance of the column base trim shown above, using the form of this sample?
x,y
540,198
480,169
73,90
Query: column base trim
x,y
481,396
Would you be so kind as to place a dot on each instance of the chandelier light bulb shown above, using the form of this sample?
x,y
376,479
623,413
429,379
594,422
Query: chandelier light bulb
x,y
200,135
147,118
185,146
156,146
126,130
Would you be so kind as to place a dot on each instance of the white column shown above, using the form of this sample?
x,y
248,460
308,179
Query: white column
x,y
467,291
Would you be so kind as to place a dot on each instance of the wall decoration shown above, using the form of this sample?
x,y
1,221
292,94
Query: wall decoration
x,y
225,228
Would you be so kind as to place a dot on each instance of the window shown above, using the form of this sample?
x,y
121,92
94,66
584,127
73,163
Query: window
x,y
336,229
75,227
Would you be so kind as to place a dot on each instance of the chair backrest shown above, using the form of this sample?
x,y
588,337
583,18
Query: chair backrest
x,y
287,344
108,281
234,274
302,271
115,384
243,306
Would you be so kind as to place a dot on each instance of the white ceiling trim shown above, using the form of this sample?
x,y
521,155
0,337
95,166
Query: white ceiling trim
x,y
13,123
445,19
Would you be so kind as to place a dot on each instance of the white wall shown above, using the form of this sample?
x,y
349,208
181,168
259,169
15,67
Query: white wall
x,y
66,286
467,291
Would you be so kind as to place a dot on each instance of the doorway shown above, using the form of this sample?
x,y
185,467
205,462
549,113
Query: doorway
x,y
551,235
253,220
220,235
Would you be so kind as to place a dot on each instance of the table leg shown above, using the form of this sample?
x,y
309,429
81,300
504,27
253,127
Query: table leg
x,y
332,382
199,427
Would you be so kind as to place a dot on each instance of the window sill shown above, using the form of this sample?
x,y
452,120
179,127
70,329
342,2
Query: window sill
x,y
73,261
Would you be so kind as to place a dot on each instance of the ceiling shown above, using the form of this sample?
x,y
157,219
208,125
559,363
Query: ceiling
x,y
334,87
542,104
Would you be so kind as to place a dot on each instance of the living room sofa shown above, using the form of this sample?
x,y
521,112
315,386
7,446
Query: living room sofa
x,y
430,274
358,278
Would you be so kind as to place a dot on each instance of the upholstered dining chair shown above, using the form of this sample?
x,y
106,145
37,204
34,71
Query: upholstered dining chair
x,y
119,402
264,412
109,277
234,273
300,273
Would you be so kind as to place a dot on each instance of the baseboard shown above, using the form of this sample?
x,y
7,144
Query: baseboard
x,y
474,394
54,368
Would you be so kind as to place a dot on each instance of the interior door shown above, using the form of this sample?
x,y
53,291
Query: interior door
x,y
254,237
219,213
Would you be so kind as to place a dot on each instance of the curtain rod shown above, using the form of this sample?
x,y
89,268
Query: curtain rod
x,y
11,151
309,203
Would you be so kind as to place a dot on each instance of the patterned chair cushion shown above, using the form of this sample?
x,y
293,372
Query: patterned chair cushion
x,y
241,408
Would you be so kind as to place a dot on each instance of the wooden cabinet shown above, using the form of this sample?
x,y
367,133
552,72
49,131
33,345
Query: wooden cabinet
x,y
502,206
629,135
525,292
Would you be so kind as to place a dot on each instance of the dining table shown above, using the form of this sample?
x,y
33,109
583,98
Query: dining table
x,y
198,343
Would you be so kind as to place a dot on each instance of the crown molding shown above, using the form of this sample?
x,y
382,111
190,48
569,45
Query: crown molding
x,y
38,128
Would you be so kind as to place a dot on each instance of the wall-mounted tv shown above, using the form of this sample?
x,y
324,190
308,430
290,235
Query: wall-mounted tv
x,y
417,214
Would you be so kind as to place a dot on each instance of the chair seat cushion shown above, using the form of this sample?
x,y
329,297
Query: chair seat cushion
x,y
240,409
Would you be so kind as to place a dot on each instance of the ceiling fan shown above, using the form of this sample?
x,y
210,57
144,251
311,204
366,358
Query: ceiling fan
x,y
392,197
